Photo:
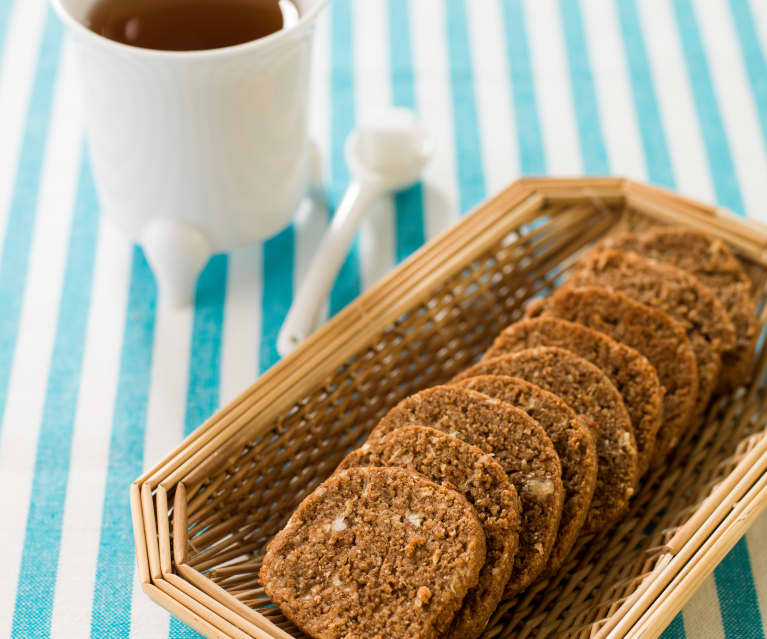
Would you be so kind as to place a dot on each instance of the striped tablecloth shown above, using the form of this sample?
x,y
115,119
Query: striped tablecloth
x,y
97,380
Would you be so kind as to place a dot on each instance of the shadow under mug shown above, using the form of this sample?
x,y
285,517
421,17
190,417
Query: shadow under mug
x,y
196,152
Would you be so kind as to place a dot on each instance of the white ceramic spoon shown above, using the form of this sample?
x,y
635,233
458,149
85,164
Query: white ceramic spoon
x,y
384,156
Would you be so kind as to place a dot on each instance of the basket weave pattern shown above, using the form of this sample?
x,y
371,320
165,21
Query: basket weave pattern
x,y
204,515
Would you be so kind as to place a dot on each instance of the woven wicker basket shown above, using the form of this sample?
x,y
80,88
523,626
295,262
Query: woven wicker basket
x,y
202,516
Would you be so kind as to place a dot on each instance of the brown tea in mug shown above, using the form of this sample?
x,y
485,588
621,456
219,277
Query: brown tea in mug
x,y
185,25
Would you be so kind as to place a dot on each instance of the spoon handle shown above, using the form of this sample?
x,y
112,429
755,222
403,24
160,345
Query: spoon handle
x,y
304,312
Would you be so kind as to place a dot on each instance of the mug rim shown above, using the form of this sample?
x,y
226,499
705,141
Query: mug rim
x,y
259,43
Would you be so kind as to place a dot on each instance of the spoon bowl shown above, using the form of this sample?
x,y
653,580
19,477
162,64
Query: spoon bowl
x,y
390,152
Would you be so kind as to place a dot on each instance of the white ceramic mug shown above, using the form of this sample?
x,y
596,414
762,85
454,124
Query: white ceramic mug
x,y
196,152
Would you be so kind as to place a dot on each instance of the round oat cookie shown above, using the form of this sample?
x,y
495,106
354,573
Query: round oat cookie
x,y
573,440
518,443
713,263
628,370
672,290
478,477
588,391
375,552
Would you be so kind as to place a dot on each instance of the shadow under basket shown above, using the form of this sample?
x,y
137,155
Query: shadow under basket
x,y
203,516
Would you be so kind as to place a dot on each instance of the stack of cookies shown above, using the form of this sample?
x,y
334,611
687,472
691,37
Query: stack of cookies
x,y
468,492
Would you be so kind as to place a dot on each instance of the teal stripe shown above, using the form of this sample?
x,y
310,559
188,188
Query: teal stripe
x,y
654,143
205,351
408,221
593,148
754,58
709,117
468,155
342,121
408,204
738,601
111,614
675,629
277,283
40,556
532,157
179,630
14,260
204,367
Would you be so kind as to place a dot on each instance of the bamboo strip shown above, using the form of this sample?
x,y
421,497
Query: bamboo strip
x,y
150,532
202,496
215,591
184,614
137,519
692,535
553,185
180,524
682,588
610,196
222,625
163,530
752,464
217,608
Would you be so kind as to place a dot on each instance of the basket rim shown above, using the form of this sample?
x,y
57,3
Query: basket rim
x,y
149,492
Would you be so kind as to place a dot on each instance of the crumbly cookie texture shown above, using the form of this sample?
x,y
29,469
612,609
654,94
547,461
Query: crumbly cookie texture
x,y
628,370
652,332
573,440
588,391
476,475
674,291
715,265
375,553
518,443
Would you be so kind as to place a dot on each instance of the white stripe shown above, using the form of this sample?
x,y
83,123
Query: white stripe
x,y
680,120
242,323
164,430
430,63
552,85
372,94
613,89
736,101
23,36
500,153
319,93
701,614
309,227
37,329
312,219
81,526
